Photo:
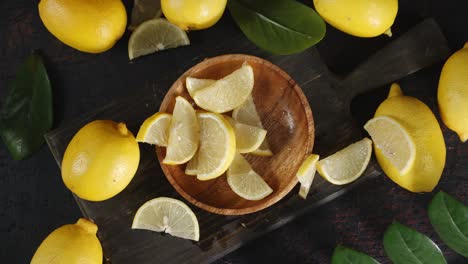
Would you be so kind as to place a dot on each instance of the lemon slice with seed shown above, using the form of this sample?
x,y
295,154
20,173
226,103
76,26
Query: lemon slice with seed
x,y
245,182
155,35
167,215
247,114
394,142
155,130
306,174
217,146
193,84
346,165
248,138
184,133
227,93
144,10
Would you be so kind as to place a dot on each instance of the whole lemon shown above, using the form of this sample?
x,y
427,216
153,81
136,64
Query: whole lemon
x,y
193,14
360,18
100,160
74,243
87,25
423,127
452,94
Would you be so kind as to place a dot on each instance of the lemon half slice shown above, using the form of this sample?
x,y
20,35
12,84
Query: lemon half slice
x,y
346,165
193,84
392,139
227,93
245,182
167,215
184,133
155,130
217,146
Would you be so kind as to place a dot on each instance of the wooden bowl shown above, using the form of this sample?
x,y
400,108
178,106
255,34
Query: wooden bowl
x,y
285,114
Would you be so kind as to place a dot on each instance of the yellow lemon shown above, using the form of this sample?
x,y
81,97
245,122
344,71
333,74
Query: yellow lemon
x,y
360,18
74,243
452,94
100,160
422,126
193,14
87,25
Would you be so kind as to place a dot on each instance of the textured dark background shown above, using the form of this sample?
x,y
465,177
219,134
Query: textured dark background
x,y
34,200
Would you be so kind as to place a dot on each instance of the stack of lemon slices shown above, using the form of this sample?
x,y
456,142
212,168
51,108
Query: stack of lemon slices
x,y
209,141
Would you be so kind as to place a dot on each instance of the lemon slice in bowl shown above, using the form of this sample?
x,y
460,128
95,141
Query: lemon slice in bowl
x,y
247,114
346,165
184,133
227,93
167,215
392,139
245,182
155,130
248,138
193,84
155,35
144,10
306,174
217,146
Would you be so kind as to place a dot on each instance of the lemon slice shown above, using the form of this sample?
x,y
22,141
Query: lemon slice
x,y
306,174
192,166
155,35
227,93
245,182
247,114
144,10
193,84
217,146
394,142
248,138
167,215
184,133
155,130
346,165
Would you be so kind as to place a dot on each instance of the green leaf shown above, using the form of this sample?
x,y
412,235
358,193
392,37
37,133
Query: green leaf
x,y
278,26
404,245
27,111
449,217
344,255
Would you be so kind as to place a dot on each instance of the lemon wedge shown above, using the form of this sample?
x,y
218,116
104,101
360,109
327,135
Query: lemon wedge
x,y
217,146
393,140
306,174
346,165
167,215
155,130
184,133
245,182
227,93
248,138
247,114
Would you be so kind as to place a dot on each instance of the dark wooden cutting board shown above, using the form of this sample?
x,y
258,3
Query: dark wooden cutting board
x,y
330,98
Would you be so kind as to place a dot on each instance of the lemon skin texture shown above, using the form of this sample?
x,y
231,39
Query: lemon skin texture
x,y
74,243
100,160
193,14
360,18
452,94
423,127
92,26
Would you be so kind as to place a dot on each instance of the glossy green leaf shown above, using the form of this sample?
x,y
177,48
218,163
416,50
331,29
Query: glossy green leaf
x,y
449,217
27,111
344,255
278,26
404,245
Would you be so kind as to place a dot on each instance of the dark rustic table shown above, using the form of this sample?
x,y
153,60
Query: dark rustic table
x,y
34,200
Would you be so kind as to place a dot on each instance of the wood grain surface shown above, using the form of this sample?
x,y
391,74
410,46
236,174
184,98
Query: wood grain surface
x,y
34,200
